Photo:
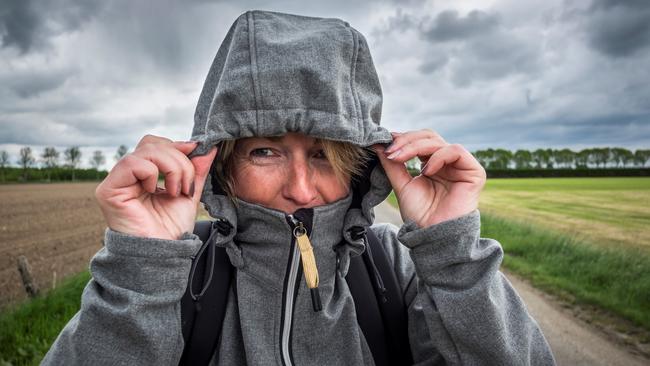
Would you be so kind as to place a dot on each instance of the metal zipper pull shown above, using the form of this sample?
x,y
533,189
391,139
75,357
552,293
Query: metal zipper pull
x,y
308,264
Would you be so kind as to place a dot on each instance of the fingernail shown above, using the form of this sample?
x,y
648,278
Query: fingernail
x,y
424,167
389,148
190,142
178,191
395,154
192,189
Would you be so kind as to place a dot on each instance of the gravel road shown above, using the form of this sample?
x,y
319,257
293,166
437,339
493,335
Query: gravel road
x,y
574,343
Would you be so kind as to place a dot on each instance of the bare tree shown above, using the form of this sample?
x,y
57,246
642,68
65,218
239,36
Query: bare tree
x,y
26,160
72,158
4,162
51,160
97,160
121,151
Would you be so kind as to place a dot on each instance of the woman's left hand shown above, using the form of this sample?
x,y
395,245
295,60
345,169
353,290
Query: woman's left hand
x,y
449,184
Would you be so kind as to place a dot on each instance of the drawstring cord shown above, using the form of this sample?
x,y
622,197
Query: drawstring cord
x,y
222,227
308,264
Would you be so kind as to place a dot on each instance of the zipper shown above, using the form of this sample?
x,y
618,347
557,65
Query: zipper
x,y
300,249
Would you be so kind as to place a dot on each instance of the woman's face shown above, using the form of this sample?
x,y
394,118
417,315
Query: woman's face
x,y
285,173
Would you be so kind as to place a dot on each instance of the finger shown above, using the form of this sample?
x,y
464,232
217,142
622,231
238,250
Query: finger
x,y
454,156
202,166
395,171
408,137
422,148
185,147
188,173
167,164
152,139
129,171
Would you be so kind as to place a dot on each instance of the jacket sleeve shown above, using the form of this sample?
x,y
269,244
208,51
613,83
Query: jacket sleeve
x,y
130,309
461,308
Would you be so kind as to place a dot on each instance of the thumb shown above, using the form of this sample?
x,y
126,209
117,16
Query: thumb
x,y
202,166
395,170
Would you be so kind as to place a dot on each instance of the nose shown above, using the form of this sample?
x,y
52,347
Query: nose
x,y
300,187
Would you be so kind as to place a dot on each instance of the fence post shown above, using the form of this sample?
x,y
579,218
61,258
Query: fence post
x,y
26,275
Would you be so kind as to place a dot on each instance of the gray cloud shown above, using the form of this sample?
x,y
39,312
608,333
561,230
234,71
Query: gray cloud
x,y
619,28
26,24
19,24
33,84
495,56
449,26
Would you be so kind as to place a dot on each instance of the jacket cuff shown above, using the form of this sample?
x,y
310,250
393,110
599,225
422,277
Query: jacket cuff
x,y
137,246
443,244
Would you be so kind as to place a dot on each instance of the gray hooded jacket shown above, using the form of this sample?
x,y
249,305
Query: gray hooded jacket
x,y
277,73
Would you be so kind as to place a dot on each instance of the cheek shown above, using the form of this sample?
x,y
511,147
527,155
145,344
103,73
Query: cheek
x,y
257,183
329,186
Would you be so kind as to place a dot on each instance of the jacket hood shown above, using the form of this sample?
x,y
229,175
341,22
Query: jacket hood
x,y
276,73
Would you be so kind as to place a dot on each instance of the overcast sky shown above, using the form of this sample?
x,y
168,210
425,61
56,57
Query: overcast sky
x,y
511,74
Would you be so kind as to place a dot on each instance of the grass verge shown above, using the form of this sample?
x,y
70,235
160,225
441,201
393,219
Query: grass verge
x,y
617,280
28,330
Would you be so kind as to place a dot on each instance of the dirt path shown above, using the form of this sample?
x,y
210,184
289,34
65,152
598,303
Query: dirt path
x,y
573,341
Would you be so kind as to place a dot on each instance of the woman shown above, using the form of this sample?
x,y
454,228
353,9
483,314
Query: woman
x,y
293,102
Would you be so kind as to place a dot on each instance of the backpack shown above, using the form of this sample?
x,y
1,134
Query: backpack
x,y
378,300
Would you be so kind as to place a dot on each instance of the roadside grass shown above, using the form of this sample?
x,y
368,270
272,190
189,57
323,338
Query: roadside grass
x,y
616,279
28,330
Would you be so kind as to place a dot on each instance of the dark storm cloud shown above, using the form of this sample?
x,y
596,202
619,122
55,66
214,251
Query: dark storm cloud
x,y
19,24
449,25
619,28
28,24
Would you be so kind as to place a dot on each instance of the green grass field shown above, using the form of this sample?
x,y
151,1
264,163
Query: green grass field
x,y
612,212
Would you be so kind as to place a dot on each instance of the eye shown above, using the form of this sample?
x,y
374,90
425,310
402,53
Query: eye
x,y
321,154
262,152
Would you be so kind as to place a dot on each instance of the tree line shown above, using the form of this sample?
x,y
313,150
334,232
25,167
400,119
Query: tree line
x,y
50,161
562,158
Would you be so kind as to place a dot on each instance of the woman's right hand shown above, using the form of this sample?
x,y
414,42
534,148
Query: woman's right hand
x,y
131,201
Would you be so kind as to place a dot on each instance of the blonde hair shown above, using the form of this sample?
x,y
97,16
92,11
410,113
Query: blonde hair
x,y
347,160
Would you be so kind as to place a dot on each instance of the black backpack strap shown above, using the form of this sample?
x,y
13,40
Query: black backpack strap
x,y
379,303
203,306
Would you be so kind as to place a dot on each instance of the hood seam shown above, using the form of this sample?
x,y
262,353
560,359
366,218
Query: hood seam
x,y
355,97
252,50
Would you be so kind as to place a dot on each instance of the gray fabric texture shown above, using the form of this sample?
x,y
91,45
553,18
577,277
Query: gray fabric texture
x,y
276,73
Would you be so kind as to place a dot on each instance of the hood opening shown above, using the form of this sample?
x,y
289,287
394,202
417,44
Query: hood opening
x,y
276,73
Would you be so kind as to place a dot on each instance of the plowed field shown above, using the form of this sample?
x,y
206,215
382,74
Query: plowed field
x,y
58,227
